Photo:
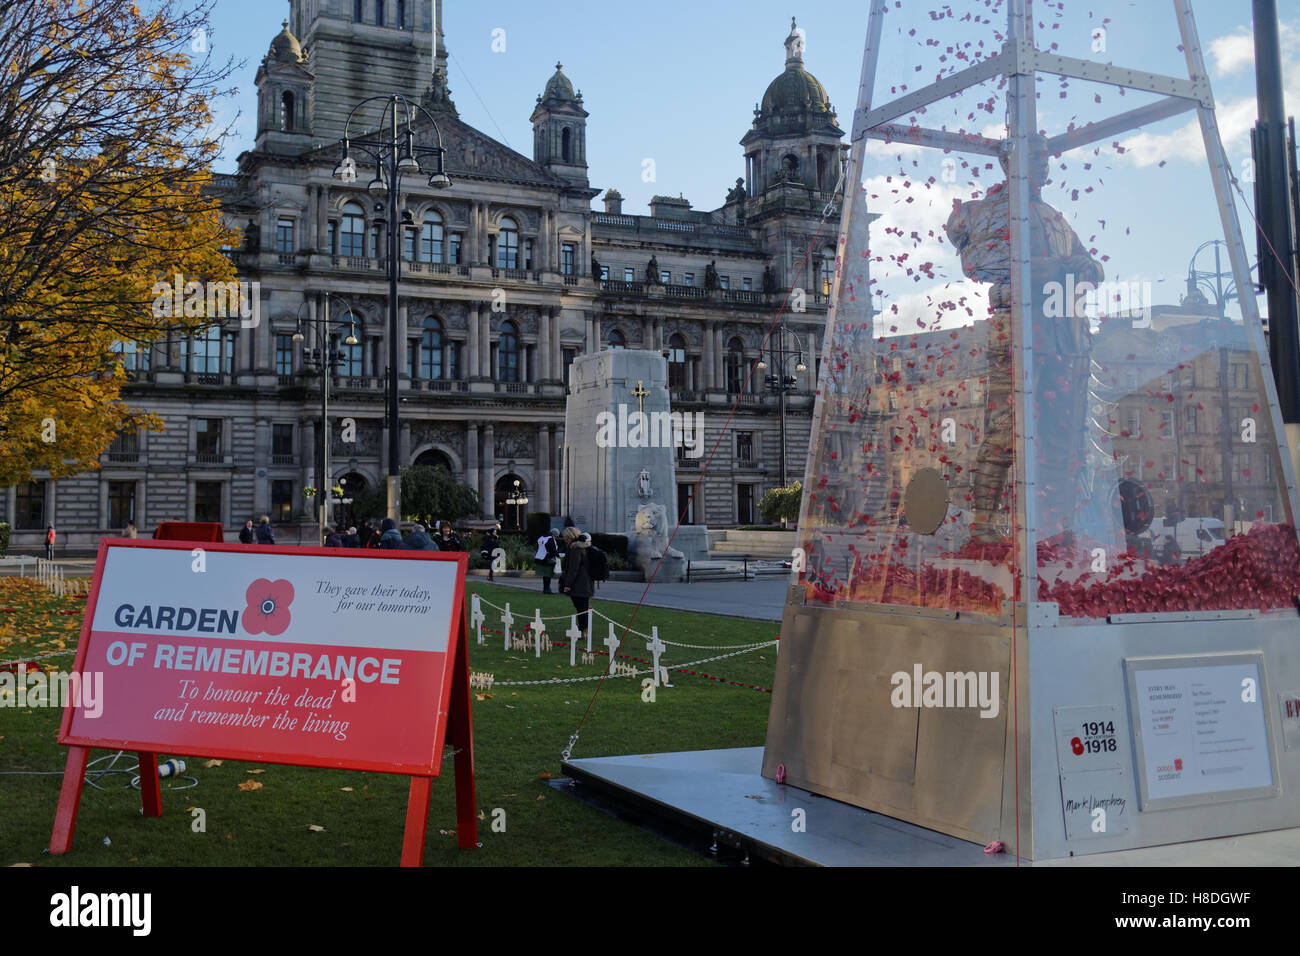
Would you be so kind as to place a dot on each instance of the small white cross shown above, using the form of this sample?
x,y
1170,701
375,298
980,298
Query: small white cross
x,y
612,643
507,622
476,616
655,647
573,634
539,630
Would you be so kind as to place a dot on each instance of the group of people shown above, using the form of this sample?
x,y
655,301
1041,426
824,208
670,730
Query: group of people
x,y
566,554
385,537
261,535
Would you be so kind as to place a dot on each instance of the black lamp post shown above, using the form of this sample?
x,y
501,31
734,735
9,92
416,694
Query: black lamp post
x,y
392,149
779,381
326,359
518,498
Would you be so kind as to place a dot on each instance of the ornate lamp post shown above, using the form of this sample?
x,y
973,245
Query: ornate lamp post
x,y
779,381
392,150
326,359
518,498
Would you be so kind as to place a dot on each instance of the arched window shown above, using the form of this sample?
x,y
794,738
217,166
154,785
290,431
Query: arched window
x,y
286,111
566,145
615,339
676,362
790,166
508,245
433,459
735,366
508,353
352,235
430,247
431,349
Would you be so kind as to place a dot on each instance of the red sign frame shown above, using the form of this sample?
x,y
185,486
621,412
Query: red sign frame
x,y
451,714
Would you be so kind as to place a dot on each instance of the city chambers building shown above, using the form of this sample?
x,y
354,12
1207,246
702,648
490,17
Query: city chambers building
x,y
506,276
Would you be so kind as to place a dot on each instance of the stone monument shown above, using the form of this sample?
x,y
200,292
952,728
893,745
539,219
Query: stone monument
x,y
619,467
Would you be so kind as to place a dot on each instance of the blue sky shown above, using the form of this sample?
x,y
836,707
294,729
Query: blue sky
x,y
677,83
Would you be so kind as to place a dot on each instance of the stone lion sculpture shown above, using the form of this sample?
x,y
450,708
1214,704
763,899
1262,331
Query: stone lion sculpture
x,y
650,543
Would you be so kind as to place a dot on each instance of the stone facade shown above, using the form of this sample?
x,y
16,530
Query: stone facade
x,y
497,298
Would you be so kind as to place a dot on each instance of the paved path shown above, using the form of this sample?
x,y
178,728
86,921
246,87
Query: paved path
x,y
762,600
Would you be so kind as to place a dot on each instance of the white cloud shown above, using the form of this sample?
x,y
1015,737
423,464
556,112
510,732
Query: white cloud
x,y
1233,51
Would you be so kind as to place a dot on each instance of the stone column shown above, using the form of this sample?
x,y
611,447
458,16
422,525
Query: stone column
x,y
485,342
263,357
322,219
404,445
470,367
557,353
544,343
487,486
557,476
471,458
595,333
402,323
542,486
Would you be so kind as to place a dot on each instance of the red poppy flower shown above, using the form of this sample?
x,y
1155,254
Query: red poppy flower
x,y
268,607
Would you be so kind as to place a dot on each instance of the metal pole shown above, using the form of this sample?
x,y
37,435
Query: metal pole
x,y
781,402
394,427
1275,212
327,369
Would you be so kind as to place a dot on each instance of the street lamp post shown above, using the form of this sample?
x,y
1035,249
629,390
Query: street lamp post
x,y
518,498
392,149
326,358
779,381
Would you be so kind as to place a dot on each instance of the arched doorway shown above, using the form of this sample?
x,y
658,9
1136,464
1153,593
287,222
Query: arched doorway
x,y
512,515
433,459
348,511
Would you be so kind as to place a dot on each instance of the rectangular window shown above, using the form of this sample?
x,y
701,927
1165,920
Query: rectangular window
x,y
379,13
228,353
284,354
401,14
412,349
281,444
333,238
685,504
724,282
125,447
604,273
29,505
528,255
374,242
121,503
1131,379
408,245
744,446
453,360
1134,422
281,500
1193,466
1191,419
745,495
356,11
665,277
134,356
569,356
688,279
1166,424
207,501
455,247
747,284
566,259
629,275
207,440
284,235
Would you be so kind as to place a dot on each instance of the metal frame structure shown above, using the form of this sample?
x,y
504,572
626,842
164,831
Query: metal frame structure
x,y
832,730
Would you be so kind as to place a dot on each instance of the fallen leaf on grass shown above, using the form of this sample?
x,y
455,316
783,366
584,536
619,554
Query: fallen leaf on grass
x,y
208,765
263,771
11,865
543,796
476,696
443,832
541,776
311,826
482,815
344,789
250,785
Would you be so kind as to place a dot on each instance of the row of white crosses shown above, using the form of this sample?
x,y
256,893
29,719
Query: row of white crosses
x,y
541,641
50,576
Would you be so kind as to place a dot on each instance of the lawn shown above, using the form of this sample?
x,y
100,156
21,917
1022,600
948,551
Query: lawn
x,y
519,732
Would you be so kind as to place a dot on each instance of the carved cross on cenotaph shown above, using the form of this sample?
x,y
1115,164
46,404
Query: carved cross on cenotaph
x,y
639,393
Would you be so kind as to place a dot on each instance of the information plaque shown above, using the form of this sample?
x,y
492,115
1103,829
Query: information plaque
x,y
1201,729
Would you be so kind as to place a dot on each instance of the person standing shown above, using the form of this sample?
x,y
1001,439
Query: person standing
x,y
364,534
130,529
575,580
49,542
417,540
449,540
352,539
491,541
332,540
264,533
246,533
390,538
544,559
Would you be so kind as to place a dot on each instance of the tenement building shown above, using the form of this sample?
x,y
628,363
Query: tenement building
x,y
505,277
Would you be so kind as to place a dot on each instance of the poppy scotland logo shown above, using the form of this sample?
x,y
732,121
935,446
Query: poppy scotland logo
x,y
268,607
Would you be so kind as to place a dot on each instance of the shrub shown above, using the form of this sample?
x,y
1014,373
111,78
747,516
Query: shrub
x,y
611,544
536,524
4,537
782,503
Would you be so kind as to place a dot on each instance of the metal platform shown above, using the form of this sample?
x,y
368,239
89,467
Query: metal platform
x,y
720,794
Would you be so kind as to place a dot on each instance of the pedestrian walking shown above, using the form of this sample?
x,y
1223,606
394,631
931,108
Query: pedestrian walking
x,y
49,542
491,541
264,533
246,534
544,559
575,580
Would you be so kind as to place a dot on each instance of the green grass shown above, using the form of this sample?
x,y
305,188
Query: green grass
x,y
518,735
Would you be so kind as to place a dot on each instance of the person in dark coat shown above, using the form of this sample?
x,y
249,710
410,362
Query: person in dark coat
x,y
544,560
364,534
417,540
389,537
491,541
449,540
351,539
264,533
332,540
246,533
575,581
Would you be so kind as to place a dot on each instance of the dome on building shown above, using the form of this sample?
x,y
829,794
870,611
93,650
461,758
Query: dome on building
x,y
285,47
796,90
558,87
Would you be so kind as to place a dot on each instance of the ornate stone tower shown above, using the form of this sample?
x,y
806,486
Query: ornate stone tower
x,y
560,130
283,92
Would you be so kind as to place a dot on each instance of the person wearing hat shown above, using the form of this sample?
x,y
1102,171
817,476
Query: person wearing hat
x,y
575,580
389,537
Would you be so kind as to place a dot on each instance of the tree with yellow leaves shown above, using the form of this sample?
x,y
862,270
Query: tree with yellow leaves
x,y
106,145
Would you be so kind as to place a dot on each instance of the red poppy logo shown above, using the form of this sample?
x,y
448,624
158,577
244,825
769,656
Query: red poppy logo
x,y
268,607
1178,763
